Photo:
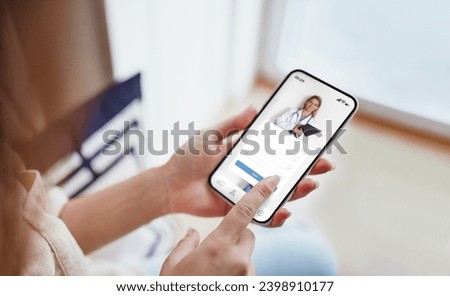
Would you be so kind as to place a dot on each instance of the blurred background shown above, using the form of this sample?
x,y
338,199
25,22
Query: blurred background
x,y
386,207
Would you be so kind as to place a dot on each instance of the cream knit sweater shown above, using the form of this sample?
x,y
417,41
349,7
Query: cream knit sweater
x,y
52,250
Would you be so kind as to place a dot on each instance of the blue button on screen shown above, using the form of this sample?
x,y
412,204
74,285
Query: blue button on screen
x,y
248,170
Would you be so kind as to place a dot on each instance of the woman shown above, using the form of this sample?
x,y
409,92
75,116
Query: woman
x,y
293,119
43,234
55,242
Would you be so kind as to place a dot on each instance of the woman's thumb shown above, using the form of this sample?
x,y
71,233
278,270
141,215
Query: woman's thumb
x,y
188,243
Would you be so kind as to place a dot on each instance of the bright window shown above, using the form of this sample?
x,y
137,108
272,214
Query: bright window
x,y
394,55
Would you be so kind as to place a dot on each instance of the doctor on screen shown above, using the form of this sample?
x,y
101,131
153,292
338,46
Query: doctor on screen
x,y
294,119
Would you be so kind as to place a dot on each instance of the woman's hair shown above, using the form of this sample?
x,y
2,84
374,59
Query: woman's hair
x,y
11,232
12,246
314,98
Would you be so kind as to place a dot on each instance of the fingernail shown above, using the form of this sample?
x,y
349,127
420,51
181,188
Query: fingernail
x,y
333,166
273,181
285,219
317,184
189,232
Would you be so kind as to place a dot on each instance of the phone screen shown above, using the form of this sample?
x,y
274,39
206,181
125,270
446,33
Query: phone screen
x,y
287,137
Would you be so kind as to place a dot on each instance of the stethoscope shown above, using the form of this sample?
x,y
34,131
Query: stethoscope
x,y
298,119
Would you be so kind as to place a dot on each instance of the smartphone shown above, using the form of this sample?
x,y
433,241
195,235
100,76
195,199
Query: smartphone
x,y
294,128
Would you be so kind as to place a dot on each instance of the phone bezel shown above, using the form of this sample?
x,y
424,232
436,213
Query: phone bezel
x,y
330,141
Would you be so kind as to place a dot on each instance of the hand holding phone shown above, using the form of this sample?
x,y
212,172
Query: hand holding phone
x,y
185,175
292,131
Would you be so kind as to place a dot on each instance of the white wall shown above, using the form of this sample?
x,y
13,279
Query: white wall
x,y
393,55
194,56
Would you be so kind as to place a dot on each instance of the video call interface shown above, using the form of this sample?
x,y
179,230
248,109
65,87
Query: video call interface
x,y
284,140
